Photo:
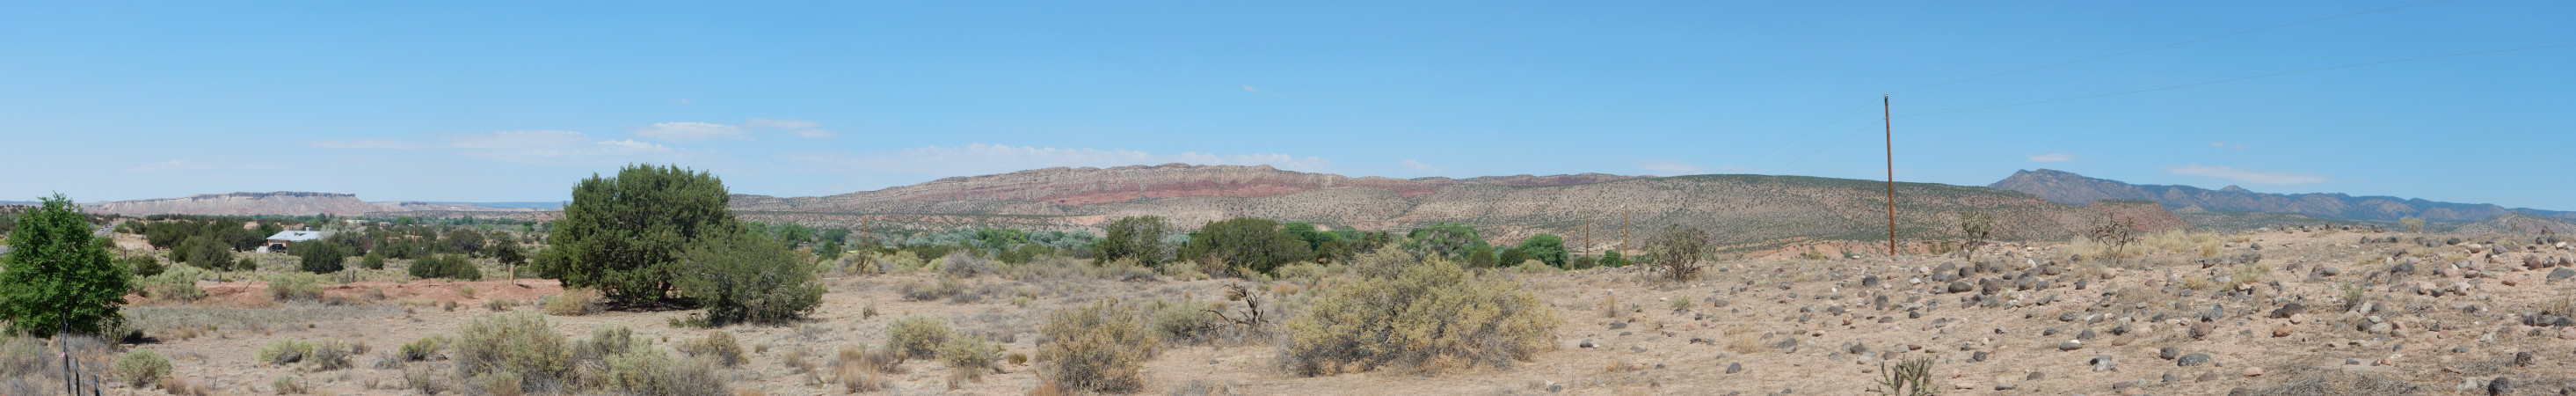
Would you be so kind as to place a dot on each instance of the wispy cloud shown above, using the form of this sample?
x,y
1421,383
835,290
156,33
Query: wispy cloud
x,y
2052,157
1677,168
1250,88
1418,166
683,131
530,147
2246,175
981,159
800,128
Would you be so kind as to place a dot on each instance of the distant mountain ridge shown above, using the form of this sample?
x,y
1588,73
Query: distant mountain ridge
x,y
289,203
1738,210
2069,188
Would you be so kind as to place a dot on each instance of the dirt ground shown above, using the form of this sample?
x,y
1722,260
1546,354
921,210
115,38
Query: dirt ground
x,y
1768,326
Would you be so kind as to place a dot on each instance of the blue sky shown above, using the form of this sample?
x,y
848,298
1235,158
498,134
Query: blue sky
x,y
514,101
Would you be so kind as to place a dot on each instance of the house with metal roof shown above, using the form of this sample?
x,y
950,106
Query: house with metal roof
x,y
283,239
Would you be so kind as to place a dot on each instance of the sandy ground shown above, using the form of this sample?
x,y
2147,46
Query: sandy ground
x,y
1793,326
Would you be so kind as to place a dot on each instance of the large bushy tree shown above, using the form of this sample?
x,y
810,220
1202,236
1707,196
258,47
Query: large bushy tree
x,y
1246,244
57,277
1675,251
319,256
1546,248
1136,237
1450,241
623,235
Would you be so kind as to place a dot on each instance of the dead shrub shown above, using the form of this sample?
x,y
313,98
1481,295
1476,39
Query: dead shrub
x,y
1427,318
718,347
573,302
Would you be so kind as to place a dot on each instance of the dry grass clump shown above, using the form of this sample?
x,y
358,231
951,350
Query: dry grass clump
x,y
1183,322
649,371
1430,317
2247,273
295,286
284,352
914,290
516,343
142,368
719,347
573,302
917,336
176,284
969,357
1101,347
2201,244
425,348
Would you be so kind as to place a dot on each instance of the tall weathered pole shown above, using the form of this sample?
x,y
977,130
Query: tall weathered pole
x,y
1887,117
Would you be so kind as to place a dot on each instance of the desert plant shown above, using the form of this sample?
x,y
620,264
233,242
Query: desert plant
x,y
425,348
649,371
1675,251
573,302
2115,234
142,368
1101,347
143,265
718,347
2413,224
177,284
1913,377
319,256
286,385
917,336
964,265
969,356
624,235
1428,318
1183,322
1975,226
1133,238
743,278
284,352
1247,245
448,266
374,260
58,277
518,343
295,286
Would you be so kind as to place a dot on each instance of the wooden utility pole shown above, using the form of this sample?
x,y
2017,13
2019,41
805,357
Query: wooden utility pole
x,y
1887,117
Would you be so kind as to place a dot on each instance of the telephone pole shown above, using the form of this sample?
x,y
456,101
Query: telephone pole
x,y
1887,117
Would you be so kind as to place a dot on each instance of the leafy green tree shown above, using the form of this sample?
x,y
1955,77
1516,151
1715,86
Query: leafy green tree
x,y
511,256
319,256
57,277
1481,258
375,260
1511,257
623,235
831,250
1134,237
1546,248
205,252
1334,251
1613,259
1450,241
449,266
743,278
142,264
1245,244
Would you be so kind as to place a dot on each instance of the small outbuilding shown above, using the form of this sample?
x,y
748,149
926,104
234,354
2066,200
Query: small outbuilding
x,y
278,243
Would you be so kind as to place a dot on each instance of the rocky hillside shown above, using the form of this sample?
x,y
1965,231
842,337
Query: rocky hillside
x,y
2069,188
1740,210
274,203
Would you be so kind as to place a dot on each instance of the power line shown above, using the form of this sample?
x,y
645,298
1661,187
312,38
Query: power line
x,y
2173,45
2241,79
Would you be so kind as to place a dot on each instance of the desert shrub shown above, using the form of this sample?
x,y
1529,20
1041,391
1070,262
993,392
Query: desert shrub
x,y
1913,377
331,355
518,343
142,264
1101,347
573,302
914,290
1133,238
447,266
718,347
2201,244
423,349
373,261
142,368
57,276
295,286
1429,317
969,356
177,284
284,352
964,265
286,385
1183,322
744,278
2247,273
917,336
319,256
649,371
498,384
1675,251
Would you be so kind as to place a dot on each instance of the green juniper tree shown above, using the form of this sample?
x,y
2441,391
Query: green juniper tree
x,y
623,235
57,277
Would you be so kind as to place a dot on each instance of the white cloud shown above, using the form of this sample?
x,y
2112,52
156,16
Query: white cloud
x,y
983,159
2246,175
757,122
2052,157
684,131
531,147
1250,88
1418,166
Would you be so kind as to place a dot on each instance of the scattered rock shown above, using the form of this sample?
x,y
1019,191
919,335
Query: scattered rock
x,y
2289,309
2003,386
1732,368
2086,335
2168,353
2201,329
1980,356
1869,281
2034,376
2500,386
1961,287
2101,363
2070,345
2191,359
2253,371
2281,331
2561,273
1587,343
